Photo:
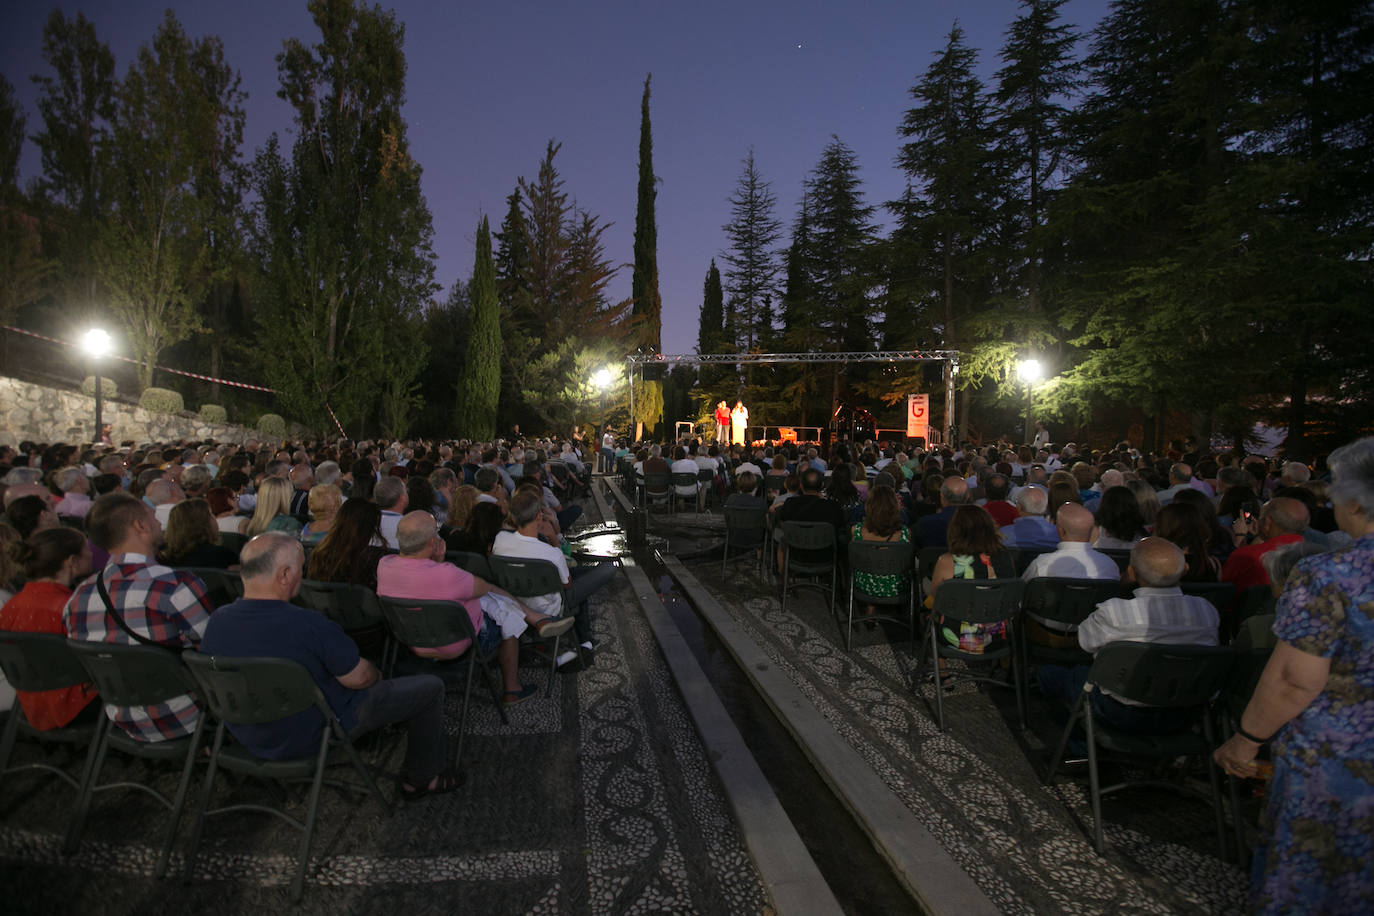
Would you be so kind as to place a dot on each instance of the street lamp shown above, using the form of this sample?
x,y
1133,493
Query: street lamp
x,y
96,343
1029,371
602,381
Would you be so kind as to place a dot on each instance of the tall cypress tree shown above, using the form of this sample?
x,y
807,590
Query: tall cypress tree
x,y
711,329
481,385
648,307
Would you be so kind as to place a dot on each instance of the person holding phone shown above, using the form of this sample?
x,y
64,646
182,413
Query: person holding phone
x,y
1258,531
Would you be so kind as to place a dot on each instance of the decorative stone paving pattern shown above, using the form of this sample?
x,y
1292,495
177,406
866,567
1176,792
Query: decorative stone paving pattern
x,y
1027,854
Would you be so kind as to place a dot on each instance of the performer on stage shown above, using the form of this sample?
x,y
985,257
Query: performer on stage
x,y
739,419
722,424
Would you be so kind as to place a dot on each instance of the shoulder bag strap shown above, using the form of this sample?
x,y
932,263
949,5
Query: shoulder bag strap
x,y
123,625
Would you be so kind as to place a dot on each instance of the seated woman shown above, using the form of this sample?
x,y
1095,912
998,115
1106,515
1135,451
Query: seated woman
x,y
882,522
224,507
192,538
460,506
975,552
1147,497
779,468
324,502
843,491
1119,520
29,514
1220,544
350,551
1183,526
484,523
52,559
273,511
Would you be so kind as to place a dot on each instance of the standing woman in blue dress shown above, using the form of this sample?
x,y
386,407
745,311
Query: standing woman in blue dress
x,y
1315,701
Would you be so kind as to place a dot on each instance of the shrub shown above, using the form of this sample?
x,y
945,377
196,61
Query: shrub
x,y
161,400
108,388
213,413
272,426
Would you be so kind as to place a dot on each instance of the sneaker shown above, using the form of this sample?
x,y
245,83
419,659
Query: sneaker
x,y
566,658
554,626
588,656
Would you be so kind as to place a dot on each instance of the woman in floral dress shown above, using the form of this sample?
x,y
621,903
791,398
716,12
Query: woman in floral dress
x,y
1316,701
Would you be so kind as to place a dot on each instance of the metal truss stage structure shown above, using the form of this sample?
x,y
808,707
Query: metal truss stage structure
x,y
950,357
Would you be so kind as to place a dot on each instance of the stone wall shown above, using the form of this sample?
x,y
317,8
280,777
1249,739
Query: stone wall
x,y
29,411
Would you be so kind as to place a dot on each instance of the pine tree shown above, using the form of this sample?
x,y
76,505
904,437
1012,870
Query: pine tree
x,y
480,388
751,258
841,233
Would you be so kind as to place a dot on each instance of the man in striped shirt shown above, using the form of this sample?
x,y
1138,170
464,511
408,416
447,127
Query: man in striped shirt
x,y
1159,613
159,604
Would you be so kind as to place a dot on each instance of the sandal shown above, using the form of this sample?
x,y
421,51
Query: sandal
x,y
516,697
550,627
446,782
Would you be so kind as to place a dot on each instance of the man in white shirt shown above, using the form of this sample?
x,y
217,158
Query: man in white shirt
x,y
162,495
1159,613
390,495
524,542
1074,557
684,465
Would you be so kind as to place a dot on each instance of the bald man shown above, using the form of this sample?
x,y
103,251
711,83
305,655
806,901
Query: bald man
x,y
930,531
1282,521
1032,529
265,623
1074,557
1159,613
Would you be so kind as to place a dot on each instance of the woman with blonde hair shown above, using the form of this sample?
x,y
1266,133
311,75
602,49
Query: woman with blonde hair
x,y
460,506
324,502
273,511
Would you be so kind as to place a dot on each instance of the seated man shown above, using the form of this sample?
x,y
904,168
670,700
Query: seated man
x,y
1159,613
930,530
147,603
682,464
997,488
523,543
391,496
811,506
1073,557
419,572
1281,522
162,494
264,623
1032,530
76,488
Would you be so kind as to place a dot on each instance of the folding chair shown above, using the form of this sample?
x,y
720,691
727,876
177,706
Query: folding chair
x,y
1154,674
685,479
881,558
529,578
474,563
658,488
431,625
1059,605
818,538
706,488
233,540
975,601
747,528
773,485
255,691
353,607
135,676
222,585
1023,557
36,662
926,558
1122,558
1221,594
1253,648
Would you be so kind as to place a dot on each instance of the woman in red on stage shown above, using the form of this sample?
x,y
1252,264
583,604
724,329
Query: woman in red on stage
x,y
722,424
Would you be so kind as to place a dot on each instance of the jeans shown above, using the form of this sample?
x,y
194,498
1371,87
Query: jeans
x,y
607,460
586,580
418,701
567,515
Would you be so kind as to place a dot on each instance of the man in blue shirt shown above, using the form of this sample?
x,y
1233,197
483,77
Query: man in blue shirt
x,y
264,623
1033,530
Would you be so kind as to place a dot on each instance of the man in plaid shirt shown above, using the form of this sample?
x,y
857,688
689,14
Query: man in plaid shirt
x,y
160,604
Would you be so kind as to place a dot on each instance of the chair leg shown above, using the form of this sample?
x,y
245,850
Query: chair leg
x,y
95,759
939,687
8,737
361,767
1215,778
553,667
1017,682
1064,737
205,792
1094,783
183,789
785,555
473,662
312,811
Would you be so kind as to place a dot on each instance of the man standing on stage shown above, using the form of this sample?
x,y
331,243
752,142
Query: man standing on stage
x,y
722,424
739,419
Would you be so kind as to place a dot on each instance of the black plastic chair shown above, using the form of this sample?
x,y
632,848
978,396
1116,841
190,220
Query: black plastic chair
x,y
658,489
1122,558
1221,594
1023,557
221,585
706,488
136,676
746,529
926,558
36,662
1155,674
818,538
233,540
773,485
255,691
975,601
471,561
1059,604
431,625
882,558
530,578
353,607
685,479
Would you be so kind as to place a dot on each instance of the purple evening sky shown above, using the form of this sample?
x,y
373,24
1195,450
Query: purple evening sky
x,y
489,84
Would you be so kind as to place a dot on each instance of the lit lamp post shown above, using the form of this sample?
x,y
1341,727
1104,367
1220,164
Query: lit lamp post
x,y
602,381
1030,372
96,343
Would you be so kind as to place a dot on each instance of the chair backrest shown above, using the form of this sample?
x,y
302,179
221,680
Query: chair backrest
x,y
1256,633
426,624
133,675
527,578
684,479
979,600
471,561
706,475
808,535
1221,594
927,557
1256,601
252,691
882,558
1067,601
774,484
1244,678
222,585
1022,557
233,540
1122,558
39,661
1158,674
353,607
746,518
